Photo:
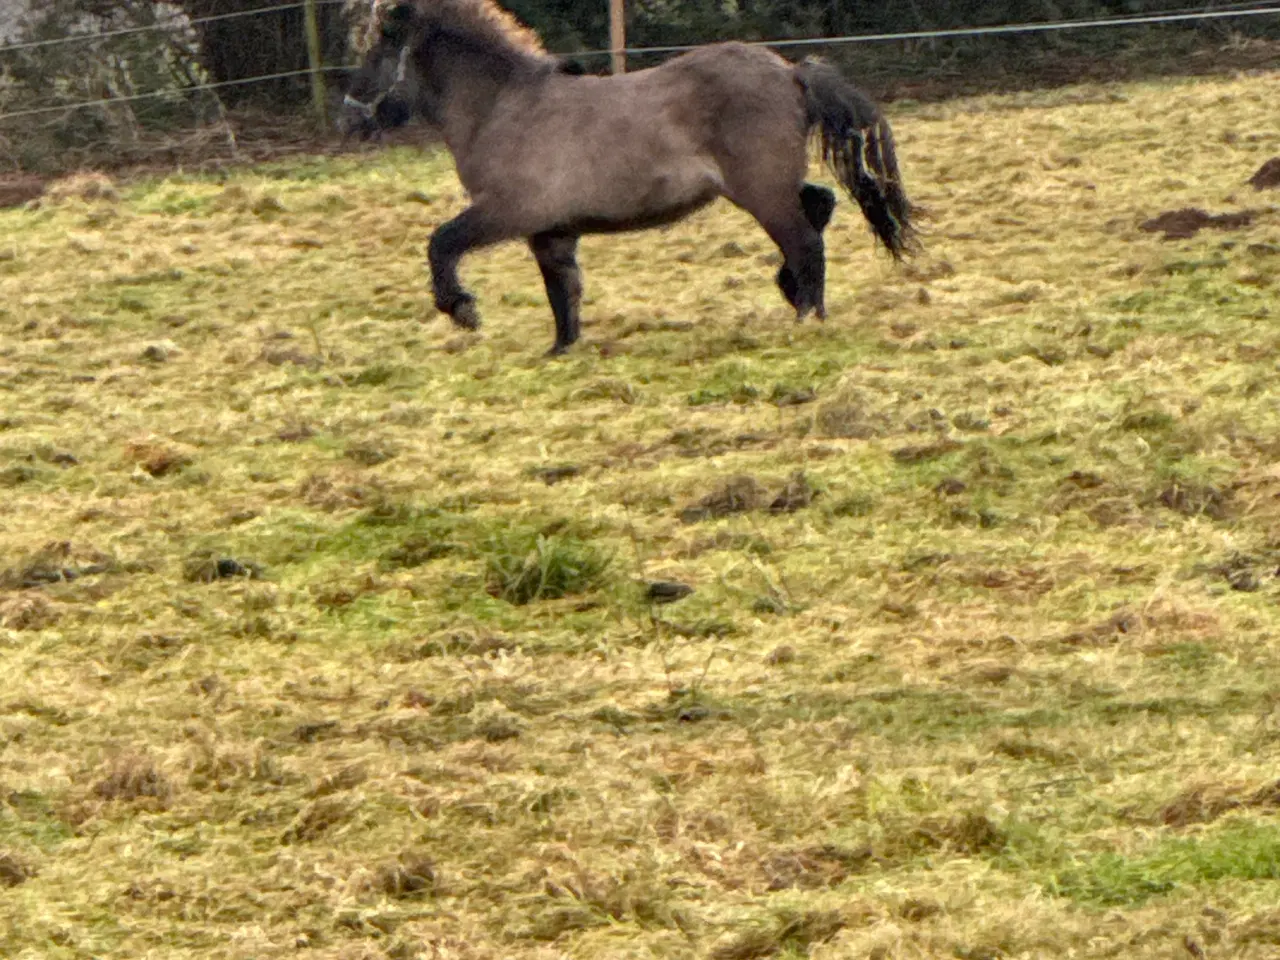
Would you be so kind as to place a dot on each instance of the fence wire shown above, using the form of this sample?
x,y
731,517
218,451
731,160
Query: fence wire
x,y
958,32
162,94
1232,11
176,23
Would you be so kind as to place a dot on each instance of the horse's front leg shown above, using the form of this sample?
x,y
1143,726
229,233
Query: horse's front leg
x,y
557,258
450,242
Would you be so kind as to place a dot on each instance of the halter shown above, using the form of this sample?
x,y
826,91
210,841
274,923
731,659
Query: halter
x,y
367,110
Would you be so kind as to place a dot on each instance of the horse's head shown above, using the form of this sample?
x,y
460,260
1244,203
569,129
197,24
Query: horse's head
x,y
383,90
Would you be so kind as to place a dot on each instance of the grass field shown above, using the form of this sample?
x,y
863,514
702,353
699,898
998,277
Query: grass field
x,y
324,626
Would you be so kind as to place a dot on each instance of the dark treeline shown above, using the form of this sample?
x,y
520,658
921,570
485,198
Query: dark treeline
x,y
266,43
583,24
936,68
273,41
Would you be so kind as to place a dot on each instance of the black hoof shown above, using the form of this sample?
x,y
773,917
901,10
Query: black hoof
x,y
465,315
791,290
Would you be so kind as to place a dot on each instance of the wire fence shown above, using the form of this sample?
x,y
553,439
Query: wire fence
x,y
146,73
1234,11
175,23
163,94
1229,12
197,82
1224,12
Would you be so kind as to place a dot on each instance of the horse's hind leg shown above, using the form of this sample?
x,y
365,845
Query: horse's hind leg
x,y
803,276
557,259
450,242
818,203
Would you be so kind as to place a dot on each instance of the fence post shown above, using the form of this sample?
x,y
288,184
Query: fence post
x,y
314,58
618,35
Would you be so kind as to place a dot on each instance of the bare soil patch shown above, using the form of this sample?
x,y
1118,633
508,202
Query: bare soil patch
x,y
1268,175
16,191
1186,223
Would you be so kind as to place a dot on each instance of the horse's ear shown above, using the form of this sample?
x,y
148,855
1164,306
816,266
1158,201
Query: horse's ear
x,y
398,22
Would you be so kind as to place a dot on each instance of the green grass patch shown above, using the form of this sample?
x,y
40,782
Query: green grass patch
x,y
1246,850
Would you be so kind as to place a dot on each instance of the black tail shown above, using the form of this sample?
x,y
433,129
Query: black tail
x,y
857,145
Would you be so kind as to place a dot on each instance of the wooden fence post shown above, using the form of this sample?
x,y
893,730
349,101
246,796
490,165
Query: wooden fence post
x,y
618,34
315,57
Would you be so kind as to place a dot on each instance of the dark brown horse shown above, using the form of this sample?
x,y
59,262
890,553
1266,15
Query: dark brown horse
x,y
550,154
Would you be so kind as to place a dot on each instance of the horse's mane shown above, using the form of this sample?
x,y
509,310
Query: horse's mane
x,y
483,21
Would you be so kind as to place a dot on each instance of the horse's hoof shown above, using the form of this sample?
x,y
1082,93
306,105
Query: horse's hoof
x,y
558,350
466,315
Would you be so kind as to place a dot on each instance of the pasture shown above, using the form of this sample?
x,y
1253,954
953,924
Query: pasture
x,y
324,631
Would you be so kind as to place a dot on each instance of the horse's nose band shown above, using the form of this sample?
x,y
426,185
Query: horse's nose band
x,y
367,110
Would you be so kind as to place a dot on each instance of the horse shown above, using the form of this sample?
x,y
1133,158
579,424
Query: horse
x,y
549,153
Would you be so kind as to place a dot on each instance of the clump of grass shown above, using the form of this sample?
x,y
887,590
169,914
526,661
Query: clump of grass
x,y
552,924
85,187
32,612
738,495
375,375
924,452
1206,803
522,566
158,458
1191,499
796,494
608,389
399,535
415,551
318,818
792,395
788,931
14,870
131,777
370,454
971,834
20,474
739,393
411,876
208,566
849,416
854,505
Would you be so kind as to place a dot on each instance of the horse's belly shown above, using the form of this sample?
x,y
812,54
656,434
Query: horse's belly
x,y
637,198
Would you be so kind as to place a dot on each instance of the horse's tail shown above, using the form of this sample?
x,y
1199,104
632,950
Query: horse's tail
x,y
857,146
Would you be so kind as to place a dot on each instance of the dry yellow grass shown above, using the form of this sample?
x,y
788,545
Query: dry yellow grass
x,y
1004,687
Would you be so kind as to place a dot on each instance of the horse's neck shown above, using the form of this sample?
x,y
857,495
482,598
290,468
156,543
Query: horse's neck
x,y
469,87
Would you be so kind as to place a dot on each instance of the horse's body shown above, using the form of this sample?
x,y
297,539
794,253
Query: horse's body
x,y
549,154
